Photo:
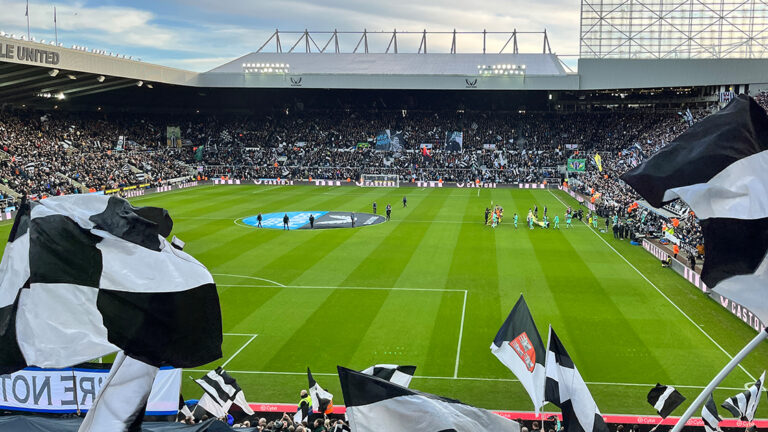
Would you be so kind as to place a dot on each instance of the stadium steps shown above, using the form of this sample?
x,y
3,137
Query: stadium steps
x,y
73,182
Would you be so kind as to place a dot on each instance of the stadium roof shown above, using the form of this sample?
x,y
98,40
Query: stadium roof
x,y
30,70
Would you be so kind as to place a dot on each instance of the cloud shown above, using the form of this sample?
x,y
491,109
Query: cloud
x,y
193,34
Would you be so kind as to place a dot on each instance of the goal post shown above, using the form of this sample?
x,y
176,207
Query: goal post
x,y
379,180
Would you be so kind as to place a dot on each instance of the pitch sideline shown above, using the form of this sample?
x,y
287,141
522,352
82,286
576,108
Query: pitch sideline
x,y
662,293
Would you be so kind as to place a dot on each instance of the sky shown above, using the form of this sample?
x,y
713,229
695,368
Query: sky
x,y
199,35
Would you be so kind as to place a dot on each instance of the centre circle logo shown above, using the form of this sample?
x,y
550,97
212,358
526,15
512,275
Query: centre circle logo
x,y
323,220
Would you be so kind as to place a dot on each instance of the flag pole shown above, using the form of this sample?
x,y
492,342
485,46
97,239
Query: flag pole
x,y
55,26
27,14
718,379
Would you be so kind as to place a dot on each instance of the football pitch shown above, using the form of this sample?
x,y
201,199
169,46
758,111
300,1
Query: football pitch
x,y
432,286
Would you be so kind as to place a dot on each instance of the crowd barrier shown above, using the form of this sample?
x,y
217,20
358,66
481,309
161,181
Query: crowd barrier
x,y
578,198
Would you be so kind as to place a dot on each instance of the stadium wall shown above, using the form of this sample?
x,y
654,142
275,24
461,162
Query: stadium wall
x,y
598,74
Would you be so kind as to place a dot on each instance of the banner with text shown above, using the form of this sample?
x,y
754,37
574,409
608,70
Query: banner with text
x,y
383,140
70,389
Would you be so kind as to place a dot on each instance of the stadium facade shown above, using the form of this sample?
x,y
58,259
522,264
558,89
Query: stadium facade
x,y
49,76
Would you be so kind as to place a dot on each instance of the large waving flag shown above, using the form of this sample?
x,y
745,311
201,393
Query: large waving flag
x,y
374,405
665,399
400,375
744,404
105,278
322,401
566,389
222,389
519,347
710,416
718,167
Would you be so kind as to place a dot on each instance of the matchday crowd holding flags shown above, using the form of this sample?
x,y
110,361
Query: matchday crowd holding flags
x,y
67,257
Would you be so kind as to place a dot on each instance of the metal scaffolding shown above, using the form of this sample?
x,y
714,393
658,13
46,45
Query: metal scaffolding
x,y
306,40
674,29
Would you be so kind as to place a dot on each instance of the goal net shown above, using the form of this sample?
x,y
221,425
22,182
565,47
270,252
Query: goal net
x,y
379,180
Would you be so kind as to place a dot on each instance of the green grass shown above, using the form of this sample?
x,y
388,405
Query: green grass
x,y
622,333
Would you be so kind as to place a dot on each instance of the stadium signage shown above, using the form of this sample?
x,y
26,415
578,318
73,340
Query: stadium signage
x,y
67,390
739,311
372,183
430,184
296,82
27,54
471,83
322,182
477,185
268,181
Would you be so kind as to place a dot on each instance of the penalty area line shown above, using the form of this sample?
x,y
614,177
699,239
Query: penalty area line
x,y
238,351
662,294
461,333
357,288
247,277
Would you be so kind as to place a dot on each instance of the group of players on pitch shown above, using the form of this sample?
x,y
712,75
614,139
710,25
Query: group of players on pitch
x,y
495,214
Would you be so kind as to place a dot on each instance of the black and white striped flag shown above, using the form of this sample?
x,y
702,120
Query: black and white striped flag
x,y
665,399
566,389
744,404
710,417
374,405
322,401
519,347
400,375
83,276
222,390
718,167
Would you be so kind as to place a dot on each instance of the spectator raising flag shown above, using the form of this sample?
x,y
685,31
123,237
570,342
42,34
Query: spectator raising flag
x,y
710,417
744,404
665,399
322,401
374,405
566,389
223,391
400,375
718,168
519,346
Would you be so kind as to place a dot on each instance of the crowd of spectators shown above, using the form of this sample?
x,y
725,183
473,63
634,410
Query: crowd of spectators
x,y
59,153
45,154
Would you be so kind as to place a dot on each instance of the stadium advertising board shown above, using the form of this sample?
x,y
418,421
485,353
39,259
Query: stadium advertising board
x,y
67,390
694,278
